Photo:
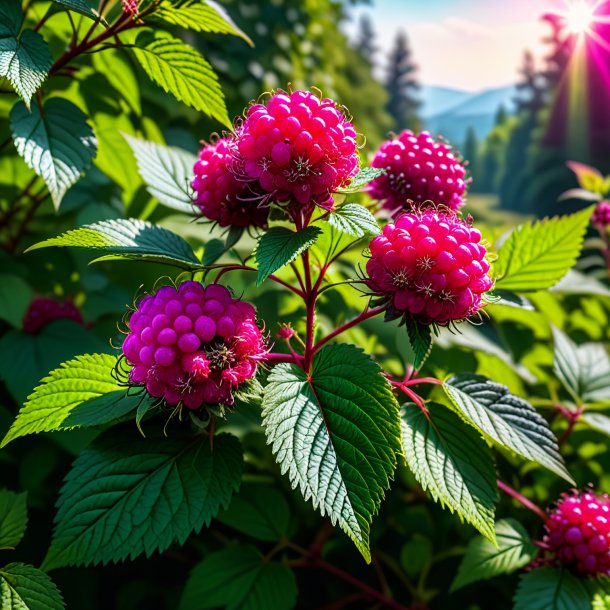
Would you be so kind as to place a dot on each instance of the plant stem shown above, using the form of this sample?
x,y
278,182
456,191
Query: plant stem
x,y
291,358
513,493
572,417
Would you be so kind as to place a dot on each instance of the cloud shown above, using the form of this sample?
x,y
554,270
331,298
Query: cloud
x,y
452,27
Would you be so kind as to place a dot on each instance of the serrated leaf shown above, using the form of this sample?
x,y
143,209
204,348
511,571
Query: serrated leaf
x,y
200,16
181,71
75,382
483,560
452,463
58,144
26,62
279,246
420,339
126,495
336,432
537,255
24,587
128,238
363,177
81,6
167,173
13,518
551,589
506,419
11,17
238,578
354,219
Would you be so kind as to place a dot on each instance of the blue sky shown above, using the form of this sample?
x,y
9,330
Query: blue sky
x,y
467,44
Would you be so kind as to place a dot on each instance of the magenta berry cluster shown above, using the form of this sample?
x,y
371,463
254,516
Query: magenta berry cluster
x,y
430,266
193,345
418,168
130,7
220,194
601,215
43,311
578,532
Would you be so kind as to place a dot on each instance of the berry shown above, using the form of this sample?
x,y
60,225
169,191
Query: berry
x,y
418,169
221,193
298,148
578,532
130,7
601,215
193,345
42,311
430,266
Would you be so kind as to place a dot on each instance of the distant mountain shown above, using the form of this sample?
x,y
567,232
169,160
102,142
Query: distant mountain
x,y
435,100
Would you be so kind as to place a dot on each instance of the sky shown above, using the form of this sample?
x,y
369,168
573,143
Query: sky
x,y
466,44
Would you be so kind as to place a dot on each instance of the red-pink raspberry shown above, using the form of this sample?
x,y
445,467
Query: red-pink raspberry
x,y
298,148
221,193
42,311
578,532
418,169
193,345
430,266
601,215
130,7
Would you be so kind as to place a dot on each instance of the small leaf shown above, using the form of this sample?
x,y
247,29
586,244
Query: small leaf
x,y
362,178
161,489
279,246
58,144
597,421
181,71
507,419
354,219
588,177
13,518
128,238
213,250
483,560
420,339
24,587
510,299
234,234
450,460
82,7
551,589
167,173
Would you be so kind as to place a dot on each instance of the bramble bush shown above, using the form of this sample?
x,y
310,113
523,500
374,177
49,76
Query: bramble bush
x,y
308,336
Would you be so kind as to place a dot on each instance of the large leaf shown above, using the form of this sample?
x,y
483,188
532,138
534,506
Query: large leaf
x,y
551,589
11,17
280,246
537,255
336,431
13,518
238,578
167,172
57,144
73,383
24,587
117,67
597,421
507,419
129,238
483,560
354,219
82,7
450,460
181,71
126,495
25,61
15,297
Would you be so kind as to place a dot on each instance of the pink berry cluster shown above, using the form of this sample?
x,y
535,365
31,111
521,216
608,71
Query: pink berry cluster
x,y
430,266
42,311
130,7
418,169
601,215
578,532
193,345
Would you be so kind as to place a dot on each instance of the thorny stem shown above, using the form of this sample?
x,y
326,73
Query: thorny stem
x,y
513,493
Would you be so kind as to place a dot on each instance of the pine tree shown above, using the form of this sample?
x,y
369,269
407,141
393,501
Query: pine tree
x,y
501,115
402,85
532,89
365,42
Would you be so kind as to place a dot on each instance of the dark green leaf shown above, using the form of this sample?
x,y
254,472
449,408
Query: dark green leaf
x,y
15,297
11,16
13,518
420,339
82,7
212,251
23,587
354,219
551,589
363,177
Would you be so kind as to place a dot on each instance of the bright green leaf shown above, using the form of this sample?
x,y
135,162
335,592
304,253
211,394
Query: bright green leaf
x,y
354,219
13,518
551,589
588,177
24,587
363,177
114,64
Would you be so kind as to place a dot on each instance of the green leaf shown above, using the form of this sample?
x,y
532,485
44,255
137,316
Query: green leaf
x,y
237,578
128,238
58,144
11,17
362,178
551,589
13,518
354,219
15,297
258,510
416,555
597,421
114,64
161,489
167,172
75,382
420,339
336,432
24,587
483,560
279,246
213,250
537,255
82,7
450,460
588,177
507,419
200,16
26,62
181,71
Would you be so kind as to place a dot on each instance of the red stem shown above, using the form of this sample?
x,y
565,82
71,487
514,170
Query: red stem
x,y
513,493
572,417
273,278
293,358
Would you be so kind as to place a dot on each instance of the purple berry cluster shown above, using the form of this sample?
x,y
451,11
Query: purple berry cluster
x,y
43,311
601,215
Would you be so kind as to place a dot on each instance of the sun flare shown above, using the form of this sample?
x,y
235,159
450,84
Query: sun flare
x,y
579,17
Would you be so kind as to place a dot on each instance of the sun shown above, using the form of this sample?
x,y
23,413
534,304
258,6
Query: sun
x,y
579,17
